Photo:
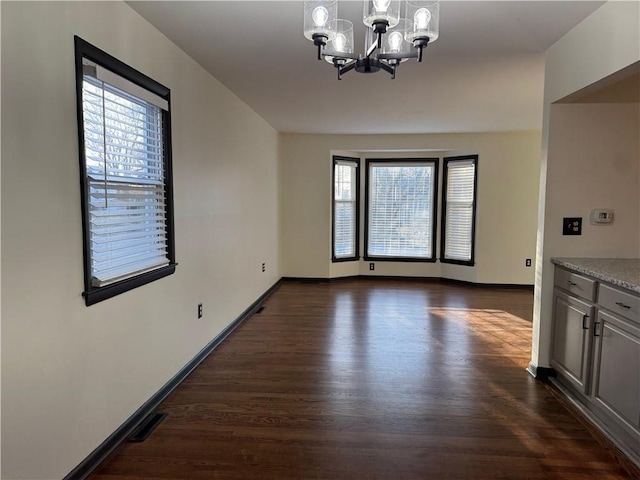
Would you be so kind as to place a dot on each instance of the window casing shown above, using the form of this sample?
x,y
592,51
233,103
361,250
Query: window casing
x,y
460,181
401,197
346,209
124,133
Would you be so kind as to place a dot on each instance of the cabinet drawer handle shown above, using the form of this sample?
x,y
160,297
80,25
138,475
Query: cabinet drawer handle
x,y
622,305
595,329
584,322
571,284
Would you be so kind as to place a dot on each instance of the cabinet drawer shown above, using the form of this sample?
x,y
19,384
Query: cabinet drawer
x,y
576,284
622,303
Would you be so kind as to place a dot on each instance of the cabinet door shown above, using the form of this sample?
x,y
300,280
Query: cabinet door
x,y
617,368
571,353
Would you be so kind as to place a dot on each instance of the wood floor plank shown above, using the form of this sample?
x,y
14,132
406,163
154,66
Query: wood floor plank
x,y
363,379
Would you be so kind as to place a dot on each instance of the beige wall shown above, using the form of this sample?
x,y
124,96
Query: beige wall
x,y
72,374
507,201
573,63
594,162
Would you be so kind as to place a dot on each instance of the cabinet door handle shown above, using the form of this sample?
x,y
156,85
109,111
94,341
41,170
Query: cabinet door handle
x,y
584,322
571,284
622,305
595,329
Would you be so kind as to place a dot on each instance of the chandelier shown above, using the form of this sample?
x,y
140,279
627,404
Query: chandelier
x,y
390,39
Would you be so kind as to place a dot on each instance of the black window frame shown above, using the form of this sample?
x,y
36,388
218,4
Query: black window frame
x,y
445,170
356,257
434,210
93,294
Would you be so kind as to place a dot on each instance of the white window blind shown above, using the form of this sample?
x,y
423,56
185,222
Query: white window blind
x,y
459,210
400,210
126,182
344,209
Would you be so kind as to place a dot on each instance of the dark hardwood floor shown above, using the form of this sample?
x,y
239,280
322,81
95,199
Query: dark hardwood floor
x,y
364,379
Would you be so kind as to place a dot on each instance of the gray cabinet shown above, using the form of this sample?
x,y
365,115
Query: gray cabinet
x,y
572,340
617,368
595,351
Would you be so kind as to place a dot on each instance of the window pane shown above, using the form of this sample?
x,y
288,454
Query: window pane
x,y
345,209
345,232
458,235
345,182
125,178
401,210
459,210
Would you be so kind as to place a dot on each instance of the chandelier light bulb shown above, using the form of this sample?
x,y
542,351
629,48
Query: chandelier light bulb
x,y
340,42
320,16
381,5
421,19
395,40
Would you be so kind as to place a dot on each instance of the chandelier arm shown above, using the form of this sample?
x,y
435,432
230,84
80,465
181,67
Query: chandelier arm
x,y
396,56
347,68
372,48
388,68
346,56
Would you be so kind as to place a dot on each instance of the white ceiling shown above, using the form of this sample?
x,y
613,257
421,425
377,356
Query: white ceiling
x,y
484,73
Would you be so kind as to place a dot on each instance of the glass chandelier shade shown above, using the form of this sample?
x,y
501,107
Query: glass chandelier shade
x,y
320,18
395,43
423,20
342,42
381,11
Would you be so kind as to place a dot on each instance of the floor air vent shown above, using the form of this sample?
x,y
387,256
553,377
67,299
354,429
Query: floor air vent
x,y
146,427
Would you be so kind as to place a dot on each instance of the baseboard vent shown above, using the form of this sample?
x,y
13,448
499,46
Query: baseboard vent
x,y
146,427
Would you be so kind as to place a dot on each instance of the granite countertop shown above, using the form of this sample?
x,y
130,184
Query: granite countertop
x,y
623,272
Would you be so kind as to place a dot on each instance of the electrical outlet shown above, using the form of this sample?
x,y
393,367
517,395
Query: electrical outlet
x,y
199,310
372,266
572,226
527,262
264,267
